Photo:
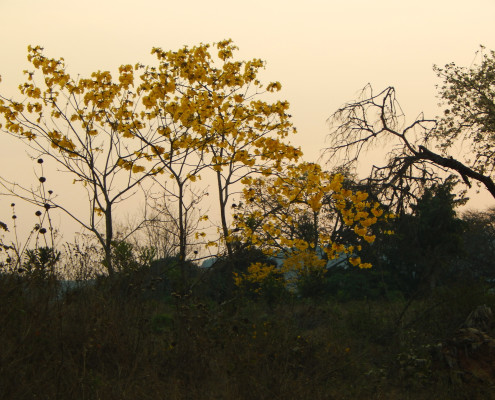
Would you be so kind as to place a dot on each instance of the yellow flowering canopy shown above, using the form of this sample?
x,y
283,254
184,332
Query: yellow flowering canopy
x,y
295,215
209,103
80,118
190,101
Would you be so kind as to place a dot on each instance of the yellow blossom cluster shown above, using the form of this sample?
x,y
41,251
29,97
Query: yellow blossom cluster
x,y
85,112
192,102
294,215
257,272
196,109
209,106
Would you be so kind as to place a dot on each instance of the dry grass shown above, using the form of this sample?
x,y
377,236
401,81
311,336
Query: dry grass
x,y
100,343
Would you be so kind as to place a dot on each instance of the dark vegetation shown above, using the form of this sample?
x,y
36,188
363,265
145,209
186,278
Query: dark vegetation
x,y
120,319
170,330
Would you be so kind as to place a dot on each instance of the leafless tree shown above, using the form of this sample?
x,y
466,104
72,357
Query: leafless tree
x,y
377,120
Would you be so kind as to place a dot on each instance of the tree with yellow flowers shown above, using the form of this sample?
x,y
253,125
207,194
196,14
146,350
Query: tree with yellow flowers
x,y
85,125
194,113
207,115
278,207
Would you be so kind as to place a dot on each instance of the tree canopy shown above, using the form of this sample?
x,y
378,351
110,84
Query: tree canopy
x,y
418,151
195,112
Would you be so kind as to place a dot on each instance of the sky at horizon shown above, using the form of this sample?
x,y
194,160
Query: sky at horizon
x,y
323,52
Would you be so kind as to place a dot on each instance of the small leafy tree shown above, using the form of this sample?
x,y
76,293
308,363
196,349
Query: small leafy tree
x,y
208,117
83,124
293,217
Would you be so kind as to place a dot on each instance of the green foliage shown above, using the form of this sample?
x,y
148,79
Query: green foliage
x,y
40,263
348,284
171,275
147,349
126,257
161,323
219,285
478,261
123,256
426,243
312,284
469,97
438,227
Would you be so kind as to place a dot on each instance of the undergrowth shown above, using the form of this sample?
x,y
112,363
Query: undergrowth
x,y
96,341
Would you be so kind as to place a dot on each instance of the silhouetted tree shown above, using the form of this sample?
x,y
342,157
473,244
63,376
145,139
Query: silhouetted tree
x,y
418,151
426,243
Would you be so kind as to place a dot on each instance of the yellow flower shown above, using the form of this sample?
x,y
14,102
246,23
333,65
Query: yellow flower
x,y
355,261
274,86
138,168
369,239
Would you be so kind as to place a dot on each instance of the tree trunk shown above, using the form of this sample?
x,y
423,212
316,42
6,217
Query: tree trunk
x,y
108,240
223,217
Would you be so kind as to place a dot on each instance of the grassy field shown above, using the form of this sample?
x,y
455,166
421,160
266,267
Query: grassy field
x,y
114,341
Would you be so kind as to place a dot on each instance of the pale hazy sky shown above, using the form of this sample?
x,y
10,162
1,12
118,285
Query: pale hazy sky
x,y
322,52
